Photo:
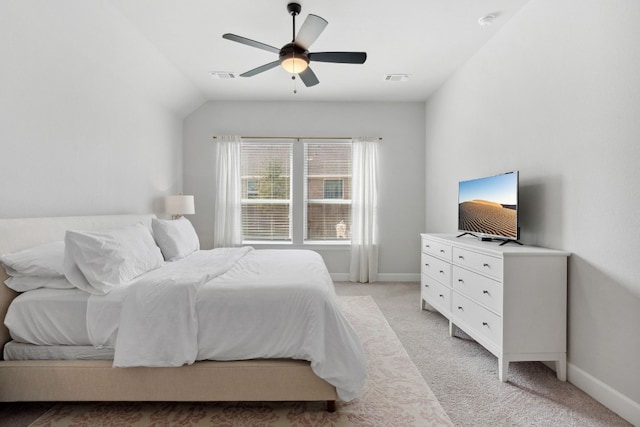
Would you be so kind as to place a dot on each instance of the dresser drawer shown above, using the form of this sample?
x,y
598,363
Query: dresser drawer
x,y
482,289
436,269
436,248
482,263
436,294
482,321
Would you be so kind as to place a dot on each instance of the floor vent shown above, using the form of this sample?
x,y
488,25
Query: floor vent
x,y
397,77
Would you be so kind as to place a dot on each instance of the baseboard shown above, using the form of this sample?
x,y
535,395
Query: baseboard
x,y
398,277
603,393
382,277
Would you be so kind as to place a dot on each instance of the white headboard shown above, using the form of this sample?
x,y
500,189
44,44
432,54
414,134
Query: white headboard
x,y
22,233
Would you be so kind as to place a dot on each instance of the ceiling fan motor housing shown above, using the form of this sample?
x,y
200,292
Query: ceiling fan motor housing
x,y
291,49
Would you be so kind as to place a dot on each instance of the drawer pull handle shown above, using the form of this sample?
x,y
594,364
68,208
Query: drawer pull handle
x,y
460,257
426,265
485,292
460,308
441,296
426,286
441,271
486,265
485,324
460,281
441,251
427,246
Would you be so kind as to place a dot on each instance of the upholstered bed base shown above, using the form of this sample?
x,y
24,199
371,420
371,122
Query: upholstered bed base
x,y
84,380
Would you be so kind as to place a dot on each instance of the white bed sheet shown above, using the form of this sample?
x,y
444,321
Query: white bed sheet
x,y
49,317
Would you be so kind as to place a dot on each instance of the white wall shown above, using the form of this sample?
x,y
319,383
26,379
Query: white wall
x,y
401,183
90,113
556,95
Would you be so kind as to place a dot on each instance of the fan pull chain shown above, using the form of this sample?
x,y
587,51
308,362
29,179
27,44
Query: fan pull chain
x,y
295,85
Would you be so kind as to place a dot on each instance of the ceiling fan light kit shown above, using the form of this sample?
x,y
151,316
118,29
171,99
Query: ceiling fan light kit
x,y
294,57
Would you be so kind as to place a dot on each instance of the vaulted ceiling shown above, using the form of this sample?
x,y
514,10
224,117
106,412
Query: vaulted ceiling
x,y
425,39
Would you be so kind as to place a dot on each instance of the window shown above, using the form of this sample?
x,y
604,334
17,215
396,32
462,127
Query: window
x,y
328,191
252,188
333,188
266,185
296,191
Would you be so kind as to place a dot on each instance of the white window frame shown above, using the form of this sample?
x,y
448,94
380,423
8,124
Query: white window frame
x,y
256,201
297,220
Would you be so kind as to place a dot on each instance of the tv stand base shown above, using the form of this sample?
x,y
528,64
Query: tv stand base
x,y
505,241
465,233
490,239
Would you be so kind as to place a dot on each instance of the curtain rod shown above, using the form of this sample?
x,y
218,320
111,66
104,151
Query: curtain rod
x,y
297,137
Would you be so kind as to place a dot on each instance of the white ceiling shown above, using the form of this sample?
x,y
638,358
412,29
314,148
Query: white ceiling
x,y
428,39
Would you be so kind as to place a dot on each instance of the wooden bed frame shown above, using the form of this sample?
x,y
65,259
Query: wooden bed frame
x,y
97,380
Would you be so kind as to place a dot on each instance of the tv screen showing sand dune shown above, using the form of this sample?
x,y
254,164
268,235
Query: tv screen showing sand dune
x,y
489,205
487,217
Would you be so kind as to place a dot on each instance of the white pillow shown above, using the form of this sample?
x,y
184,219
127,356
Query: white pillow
x,y
42,261
176,238
97,261
29,283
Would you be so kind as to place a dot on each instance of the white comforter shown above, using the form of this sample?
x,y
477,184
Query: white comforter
x,y
232,304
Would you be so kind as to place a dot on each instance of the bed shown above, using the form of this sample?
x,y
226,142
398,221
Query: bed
x,y
256,379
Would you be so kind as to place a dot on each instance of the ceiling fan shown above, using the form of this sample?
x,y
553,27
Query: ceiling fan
x,y
294,57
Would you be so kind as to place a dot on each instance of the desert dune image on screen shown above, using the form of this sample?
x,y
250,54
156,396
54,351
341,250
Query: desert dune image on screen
x,y
488,205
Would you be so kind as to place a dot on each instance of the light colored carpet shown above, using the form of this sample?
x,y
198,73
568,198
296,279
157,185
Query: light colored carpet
x,y
464,376
395,394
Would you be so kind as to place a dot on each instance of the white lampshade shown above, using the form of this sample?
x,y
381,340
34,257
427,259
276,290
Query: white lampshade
x,y
179,205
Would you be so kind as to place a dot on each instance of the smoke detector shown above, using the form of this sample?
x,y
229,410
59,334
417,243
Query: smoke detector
x,y
486,20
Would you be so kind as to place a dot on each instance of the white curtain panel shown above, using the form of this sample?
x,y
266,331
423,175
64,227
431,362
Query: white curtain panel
x,y
227,229
364,207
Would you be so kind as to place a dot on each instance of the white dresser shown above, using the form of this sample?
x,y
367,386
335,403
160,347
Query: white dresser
x,y
511,299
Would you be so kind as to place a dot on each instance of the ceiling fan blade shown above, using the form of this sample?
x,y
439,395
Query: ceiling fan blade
x,y
261,69
250,42
339,57
308,77
310,30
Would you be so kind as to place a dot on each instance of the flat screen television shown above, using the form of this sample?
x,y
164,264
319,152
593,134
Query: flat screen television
x,y
488,207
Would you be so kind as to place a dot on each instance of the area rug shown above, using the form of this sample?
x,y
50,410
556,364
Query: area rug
x,y
395,394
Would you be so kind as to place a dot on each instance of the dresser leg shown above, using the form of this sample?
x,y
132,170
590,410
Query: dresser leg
x,y
503,369
561,368
452,329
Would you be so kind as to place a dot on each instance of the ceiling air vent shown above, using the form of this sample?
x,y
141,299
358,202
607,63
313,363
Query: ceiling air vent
x,y
221,75
397,77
